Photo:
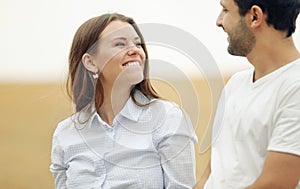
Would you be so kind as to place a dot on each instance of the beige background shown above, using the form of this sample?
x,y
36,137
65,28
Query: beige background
x,y
29,114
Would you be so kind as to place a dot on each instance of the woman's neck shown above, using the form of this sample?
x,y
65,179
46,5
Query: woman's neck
x,y
113,102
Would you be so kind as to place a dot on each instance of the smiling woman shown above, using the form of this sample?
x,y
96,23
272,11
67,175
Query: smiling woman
x,y
120,48
122,134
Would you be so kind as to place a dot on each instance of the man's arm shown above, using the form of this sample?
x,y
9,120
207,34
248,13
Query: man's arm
x,y
280,171
200,184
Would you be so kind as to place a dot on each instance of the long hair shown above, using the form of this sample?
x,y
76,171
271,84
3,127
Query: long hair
x,y
81,87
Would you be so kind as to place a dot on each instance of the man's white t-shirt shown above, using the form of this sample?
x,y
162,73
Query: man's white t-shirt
x,y
252,119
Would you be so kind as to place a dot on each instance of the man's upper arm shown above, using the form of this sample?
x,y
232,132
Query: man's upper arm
x,y
281,170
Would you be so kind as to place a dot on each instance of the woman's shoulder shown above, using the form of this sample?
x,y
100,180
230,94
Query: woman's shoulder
x,y
165,107
171,120
65,125
156,104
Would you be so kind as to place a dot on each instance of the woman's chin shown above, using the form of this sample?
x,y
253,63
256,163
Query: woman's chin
x,y
130,77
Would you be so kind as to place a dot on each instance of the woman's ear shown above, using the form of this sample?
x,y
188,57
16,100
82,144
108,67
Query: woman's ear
x,y
88,63
256,16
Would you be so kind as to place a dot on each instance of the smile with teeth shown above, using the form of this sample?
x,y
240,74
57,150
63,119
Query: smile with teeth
x,y
130,64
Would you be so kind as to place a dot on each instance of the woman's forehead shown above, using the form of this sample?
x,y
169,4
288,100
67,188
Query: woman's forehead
x,y
118,28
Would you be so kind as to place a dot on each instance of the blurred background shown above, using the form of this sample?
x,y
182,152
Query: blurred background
x,y
35,40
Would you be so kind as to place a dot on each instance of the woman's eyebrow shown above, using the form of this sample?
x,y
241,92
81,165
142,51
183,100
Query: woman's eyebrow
x,y
124,38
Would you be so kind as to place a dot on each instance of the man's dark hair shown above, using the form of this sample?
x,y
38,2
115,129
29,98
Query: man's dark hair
x,y
282,14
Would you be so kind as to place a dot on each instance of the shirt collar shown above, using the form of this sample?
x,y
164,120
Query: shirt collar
x,y
130,110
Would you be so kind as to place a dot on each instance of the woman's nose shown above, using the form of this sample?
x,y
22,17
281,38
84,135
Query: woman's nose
x,y
133,50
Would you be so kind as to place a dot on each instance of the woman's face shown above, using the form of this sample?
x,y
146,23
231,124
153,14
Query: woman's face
x,y
120,56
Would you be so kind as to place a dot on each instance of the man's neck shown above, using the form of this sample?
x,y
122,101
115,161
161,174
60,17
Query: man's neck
x,y
268,56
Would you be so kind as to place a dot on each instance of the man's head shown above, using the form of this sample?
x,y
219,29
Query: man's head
x,y
281,14
240,38
240,19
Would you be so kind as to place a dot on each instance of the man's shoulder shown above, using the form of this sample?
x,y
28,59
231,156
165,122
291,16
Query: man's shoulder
x,y
242,74
291,75
239,77
294,69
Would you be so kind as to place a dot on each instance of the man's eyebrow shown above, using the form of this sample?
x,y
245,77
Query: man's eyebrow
x,y
222,4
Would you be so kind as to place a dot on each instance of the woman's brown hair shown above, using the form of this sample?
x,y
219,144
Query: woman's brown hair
x,y
81,86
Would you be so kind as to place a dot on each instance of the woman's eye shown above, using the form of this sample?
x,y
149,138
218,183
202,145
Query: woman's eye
x,y
120,44
138,43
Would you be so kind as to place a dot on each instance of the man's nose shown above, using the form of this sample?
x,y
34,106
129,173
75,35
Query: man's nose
x,y
219,20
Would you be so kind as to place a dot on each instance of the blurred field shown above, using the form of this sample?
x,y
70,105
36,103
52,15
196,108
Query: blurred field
x,y
29,114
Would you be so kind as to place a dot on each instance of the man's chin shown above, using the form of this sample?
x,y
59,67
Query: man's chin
x,y
235,53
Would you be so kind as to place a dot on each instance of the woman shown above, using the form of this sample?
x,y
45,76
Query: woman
x,y
121,135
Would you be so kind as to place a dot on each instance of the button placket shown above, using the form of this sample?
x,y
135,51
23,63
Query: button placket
x,y
109,138
100,170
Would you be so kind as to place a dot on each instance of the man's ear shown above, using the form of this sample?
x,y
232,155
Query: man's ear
x,y
256,16
88,63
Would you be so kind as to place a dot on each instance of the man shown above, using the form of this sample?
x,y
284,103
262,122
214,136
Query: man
x,y
256,133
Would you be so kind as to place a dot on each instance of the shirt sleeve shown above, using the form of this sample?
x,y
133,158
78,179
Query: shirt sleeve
x,y
286,133
174,140
57,166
